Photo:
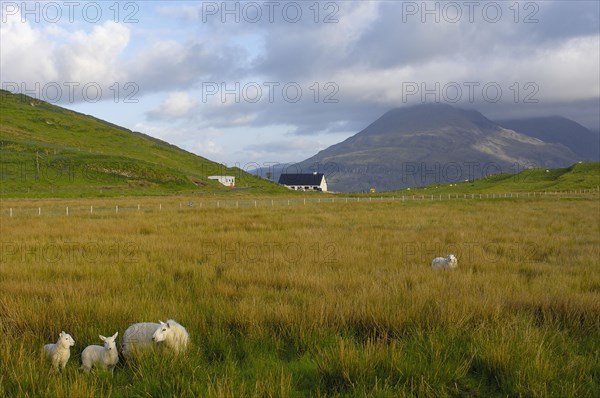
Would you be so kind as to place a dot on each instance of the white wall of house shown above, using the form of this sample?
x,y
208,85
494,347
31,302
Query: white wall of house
x,y
323,185
228,181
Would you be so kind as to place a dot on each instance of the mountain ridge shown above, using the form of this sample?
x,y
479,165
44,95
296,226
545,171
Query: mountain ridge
x,y
412,146
558,129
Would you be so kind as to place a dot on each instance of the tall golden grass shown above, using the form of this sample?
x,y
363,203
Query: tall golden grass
x,y
328,300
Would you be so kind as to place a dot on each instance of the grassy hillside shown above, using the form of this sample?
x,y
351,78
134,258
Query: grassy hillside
x,y
49,151
579,176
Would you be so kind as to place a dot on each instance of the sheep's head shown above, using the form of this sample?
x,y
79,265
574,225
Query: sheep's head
x,y
161,333
452,261
110,342
65,339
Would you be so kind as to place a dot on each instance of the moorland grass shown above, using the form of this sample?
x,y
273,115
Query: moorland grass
x,y
329,300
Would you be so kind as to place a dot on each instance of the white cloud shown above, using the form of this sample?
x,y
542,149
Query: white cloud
x,y
94,56
37,54
175,105
25,54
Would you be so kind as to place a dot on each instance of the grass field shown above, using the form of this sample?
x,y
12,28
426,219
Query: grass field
x,y
329,300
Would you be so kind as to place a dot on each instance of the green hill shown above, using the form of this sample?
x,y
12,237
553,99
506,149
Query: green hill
x,y
580,176
49,151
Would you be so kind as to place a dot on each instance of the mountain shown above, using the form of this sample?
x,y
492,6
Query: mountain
x,y
431,143
49,151
557,129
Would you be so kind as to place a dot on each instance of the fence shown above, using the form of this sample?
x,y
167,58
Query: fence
x,y
103,210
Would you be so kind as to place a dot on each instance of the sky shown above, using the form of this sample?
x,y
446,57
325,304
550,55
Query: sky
x,y
254,83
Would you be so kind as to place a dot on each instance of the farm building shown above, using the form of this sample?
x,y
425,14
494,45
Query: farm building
x,y
228,181
304,182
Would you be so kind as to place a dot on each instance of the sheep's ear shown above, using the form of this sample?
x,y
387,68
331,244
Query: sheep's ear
x,y
115,335
102,337
168,324
161,322
62,333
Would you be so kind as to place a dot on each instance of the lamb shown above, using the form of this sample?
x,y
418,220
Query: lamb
x,y
105,357
60,352
445,262
141,335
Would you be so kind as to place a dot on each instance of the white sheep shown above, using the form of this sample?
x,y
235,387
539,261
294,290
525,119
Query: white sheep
x,y
140,335
173,334
105,357
445,262
60,352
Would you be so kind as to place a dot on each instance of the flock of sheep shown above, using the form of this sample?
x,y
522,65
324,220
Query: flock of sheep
x,y
140,335
137,336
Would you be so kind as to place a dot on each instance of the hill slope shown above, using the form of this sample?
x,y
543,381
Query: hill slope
x,y
560,130
46,150
431,143
579,176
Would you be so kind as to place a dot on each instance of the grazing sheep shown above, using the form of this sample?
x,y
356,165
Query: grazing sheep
x,y
173,334
140,335
445,262
60,352
95,355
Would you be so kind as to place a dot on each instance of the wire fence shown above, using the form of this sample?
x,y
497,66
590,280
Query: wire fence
x,y
183,206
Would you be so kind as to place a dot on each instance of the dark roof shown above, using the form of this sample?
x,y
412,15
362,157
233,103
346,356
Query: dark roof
x,y
301,179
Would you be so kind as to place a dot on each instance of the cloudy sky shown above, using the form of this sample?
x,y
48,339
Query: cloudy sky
x,y
275,81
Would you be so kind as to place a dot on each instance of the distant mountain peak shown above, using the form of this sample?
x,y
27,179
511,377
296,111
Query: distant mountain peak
x,y
412,145
428,116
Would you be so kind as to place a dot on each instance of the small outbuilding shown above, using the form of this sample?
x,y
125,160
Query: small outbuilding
x,y
304,182
228,181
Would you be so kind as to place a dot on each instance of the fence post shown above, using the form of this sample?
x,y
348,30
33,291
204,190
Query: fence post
x,y
39,211
91,209
67,211
138,207
116,209
11,211
160,206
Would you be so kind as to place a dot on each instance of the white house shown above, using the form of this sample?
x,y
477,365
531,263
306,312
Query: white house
x,y
228,181
304,182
